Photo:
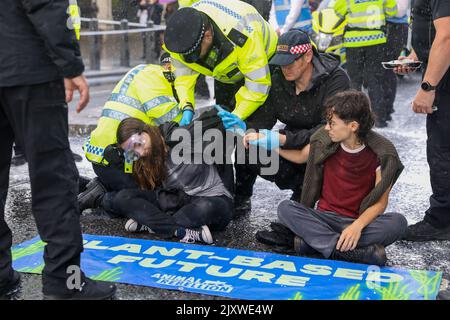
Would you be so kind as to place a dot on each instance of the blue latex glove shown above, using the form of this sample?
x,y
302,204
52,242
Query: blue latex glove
x,y
230,121
270,141
187,117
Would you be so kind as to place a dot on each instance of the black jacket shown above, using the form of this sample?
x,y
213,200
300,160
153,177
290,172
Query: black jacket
x,y
303,113
36,46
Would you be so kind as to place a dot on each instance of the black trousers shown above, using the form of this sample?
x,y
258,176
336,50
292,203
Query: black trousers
x,y
36,117
289,177
397,36
114,179
438,156
149,209
364,63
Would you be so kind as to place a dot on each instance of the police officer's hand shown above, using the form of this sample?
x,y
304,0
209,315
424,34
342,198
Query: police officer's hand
x,y
187,117
77,84
406,70
423,101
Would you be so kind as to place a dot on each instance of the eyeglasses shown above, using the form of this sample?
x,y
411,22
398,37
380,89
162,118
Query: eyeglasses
x,y
134,148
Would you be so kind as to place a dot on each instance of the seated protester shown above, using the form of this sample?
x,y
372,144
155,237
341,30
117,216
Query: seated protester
x,y
302,79
350,172
175,199
145,92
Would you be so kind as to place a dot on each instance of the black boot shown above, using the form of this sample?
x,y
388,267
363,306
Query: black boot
x,y
242,206
280,236
93,196
89,290
302,248
423,231
10,288
373,255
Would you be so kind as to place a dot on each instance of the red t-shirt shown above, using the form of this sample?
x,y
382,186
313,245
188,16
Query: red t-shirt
x,y
348,177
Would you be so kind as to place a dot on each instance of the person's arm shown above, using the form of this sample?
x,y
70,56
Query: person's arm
x,y
273,19
254,65
50,20
437,66
340,8
295,156
294,13
185,80
390,8
350,236
402,8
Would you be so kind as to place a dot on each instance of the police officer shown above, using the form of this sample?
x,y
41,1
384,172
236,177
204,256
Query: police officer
x,y
364,40
146,93
431,43
231,43
40,68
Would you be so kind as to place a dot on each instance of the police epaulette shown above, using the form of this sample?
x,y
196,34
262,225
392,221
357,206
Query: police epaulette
x,y
237,37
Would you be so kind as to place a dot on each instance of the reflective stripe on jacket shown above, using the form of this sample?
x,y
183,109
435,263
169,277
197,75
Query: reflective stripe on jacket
x,y
366,20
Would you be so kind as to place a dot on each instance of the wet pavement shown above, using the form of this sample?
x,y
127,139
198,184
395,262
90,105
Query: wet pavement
x,y
409,197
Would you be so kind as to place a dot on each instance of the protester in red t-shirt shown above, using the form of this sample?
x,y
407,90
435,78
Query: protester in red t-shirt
x,y
353,170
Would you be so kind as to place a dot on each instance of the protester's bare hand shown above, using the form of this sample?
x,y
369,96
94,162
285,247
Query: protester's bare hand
x,y
423,101
349,238
406,70
77,84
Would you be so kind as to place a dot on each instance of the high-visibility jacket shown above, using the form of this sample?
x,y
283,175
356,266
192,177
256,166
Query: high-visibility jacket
x,y
74,11
186,3
143,93
291,14
248,59
365,20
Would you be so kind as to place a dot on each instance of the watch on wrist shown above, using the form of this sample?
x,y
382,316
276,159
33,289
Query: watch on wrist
x,y
426,86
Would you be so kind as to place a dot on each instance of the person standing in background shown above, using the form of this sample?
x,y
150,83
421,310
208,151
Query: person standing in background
x,y
397,37
290,14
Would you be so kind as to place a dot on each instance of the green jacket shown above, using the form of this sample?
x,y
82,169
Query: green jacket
x,y
322,148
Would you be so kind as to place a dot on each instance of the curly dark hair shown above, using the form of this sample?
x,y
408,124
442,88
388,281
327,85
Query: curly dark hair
x,y
350,106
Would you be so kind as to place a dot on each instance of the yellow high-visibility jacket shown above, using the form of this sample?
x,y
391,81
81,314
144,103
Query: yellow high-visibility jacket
x,y
365,20
247,61
186,3
74,11
143,93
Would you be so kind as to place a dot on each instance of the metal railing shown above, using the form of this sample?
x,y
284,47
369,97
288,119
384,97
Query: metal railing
x,y
95,35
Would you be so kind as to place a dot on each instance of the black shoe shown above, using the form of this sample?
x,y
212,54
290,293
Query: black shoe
x,y
273,238
280,228
373,255
82,184
242,206
302,248
11,288
77,157
92,197
18,160
423,231
90,290
444,295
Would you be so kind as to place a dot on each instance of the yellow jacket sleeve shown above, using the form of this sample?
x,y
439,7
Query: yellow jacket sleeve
x,y
340,7
254,65
390,8
185,80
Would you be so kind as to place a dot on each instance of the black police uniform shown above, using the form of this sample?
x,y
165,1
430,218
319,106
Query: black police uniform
x,y
37,51
438,123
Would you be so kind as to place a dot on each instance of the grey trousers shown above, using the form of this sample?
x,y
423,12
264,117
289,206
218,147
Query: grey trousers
x,y
321,230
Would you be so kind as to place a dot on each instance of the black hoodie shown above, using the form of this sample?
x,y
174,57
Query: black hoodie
x,y
303,114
